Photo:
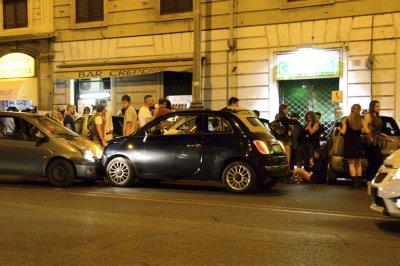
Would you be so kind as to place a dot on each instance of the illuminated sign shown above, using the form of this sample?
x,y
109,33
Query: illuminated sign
x,y
308,63
17,65
118,72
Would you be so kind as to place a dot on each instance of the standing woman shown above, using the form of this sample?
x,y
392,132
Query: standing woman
x,y
285,121
309,138
372,124
351,129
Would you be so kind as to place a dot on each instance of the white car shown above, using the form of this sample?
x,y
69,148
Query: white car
x,y
385,187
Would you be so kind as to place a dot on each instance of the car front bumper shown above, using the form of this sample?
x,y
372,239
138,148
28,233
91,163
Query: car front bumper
x,y
385,199
87,170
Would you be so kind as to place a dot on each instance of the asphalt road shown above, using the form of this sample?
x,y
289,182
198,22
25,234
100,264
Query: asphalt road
x,y
192,224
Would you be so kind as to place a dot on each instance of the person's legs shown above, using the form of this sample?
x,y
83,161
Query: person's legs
x,y
352,168
358,167
375,160
288,152
303,173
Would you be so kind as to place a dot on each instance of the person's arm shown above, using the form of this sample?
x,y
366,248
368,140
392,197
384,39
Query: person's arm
x,y
312,129
365,122
129,126
100,133
344,127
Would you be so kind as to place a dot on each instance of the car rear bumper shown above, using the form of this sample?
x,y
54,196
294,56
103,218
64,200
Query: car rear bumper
x,y
278,172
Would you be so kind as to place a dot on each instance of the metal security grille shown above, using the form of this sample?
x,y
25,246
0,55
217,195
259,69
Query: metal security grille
x,y
310,95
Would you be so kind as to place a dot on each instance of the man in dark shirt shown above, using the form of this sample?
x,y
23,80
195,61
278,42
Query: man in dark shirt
x,y
68,120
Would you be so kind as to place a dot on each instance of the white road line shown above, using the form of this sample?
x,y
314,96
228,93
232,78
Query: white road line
x,y
216,204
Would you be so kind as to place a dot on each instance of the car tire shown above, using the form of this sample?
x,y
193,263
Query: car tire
x,y
331,176
61,173
239,177
119,172
268,184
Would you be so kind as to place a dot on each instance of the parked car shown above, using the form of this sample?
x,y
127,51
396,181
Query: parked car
x,y
385,187
35,145
82,126
338,167
233,147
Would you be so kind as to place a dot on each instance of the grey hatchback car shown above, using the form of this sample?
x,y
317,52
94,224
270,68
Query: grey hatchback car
x,y
36,145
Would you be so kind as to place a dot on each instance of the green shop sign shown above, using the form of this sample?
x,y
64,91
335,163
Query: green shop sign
x,y
308,63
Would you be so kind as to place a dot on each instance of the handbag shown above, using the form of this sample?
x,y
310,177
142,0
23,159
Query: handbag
x,y
278,127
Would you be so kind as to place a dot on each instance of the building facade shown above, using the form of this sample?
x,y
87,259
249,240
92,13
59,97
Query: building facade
x,y
26,39
300,52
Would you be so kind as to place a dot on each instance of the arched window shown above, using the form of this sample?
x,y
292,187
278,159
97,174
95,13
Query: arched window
x,y
15,14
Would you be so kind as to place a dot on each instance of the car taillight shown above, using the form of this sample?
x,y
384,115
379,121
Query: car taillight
x,y
261,146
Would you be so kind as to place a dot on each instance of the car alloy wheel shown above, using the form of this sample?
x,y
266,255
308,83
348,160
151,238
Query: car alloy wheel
x,y
239,177
119,172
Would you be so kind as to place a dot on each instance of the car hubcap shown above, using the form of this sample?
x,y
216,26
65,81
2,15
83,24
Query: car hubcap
x,y
119,172
238,177
59,173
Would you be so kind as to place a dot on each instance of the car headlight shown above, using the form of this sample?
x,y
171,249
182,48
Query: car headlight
x,y
396,175
88,155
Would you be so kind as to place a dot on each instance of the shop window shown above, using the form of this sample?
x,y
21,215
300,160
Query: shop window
x,y
169,9
15,14
89,10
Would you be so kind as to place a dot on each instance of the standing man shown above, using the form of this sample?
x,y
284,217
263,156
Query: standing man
x,y
233,104
97,125
68,118
108,123
145,115
130,116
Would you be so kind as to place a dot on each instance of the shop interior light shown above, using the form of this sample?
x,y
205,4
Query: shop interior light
x,y
97,95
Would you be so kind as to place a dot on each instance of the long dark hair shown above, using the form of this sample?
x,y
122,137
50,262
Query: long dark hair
x,y
355,117
372,107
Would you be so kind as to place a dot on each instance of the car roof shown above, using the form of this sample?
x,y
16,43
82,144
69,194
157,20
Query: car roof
x,y
27,114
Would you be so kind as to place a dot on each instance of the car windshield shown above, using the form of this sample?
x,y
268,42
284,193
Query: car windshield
x,y
53,127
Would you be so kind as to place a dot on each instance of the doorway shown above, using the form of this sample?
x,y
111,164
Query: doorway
x,y
310,95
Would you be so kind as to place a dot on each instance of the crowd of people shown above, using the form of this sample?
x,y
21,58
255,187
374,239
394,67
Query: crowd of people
x,y
100,125
308,160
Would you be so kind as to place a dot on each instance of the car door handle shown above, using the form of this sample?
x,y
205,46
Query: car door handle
x,y
197,145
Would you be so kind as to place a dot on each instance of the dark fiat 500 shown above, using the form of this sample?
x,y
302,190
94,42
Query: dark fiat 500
x,y
229,146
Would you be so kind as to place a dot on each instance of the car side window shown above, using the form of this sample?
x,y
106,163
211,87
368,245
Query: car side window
x,y
79,125
178,125
218,124
16,128
390,127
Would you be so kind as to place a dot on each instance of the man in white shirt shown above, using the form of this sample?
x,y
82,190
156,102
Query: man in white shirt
x,y
130,116
108,124
145,115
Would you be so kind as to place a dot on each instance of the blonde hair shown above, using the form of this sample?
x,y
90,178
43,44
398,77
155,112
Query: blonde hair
x,y
355,118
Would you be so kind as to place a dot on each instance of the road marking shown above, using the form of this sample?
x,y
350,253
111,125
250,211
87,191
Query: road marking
x,y
215,204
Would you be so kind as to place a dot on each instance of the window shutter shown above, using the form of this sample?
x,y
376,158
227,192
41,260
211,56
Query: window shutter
x,y
82,7
21,14
15,14
175,6
89,10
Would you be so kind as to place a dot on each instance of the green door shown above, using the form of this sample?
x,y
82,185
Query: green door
x,y
310,95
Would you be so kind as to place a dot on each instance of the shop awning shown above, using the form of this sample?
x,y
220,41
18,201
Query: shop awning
x,y
9,90
119,69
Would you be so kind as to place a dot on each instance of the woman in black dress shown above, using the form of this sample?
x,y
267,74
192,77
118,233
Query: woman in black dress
x,y
372,124
351,129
